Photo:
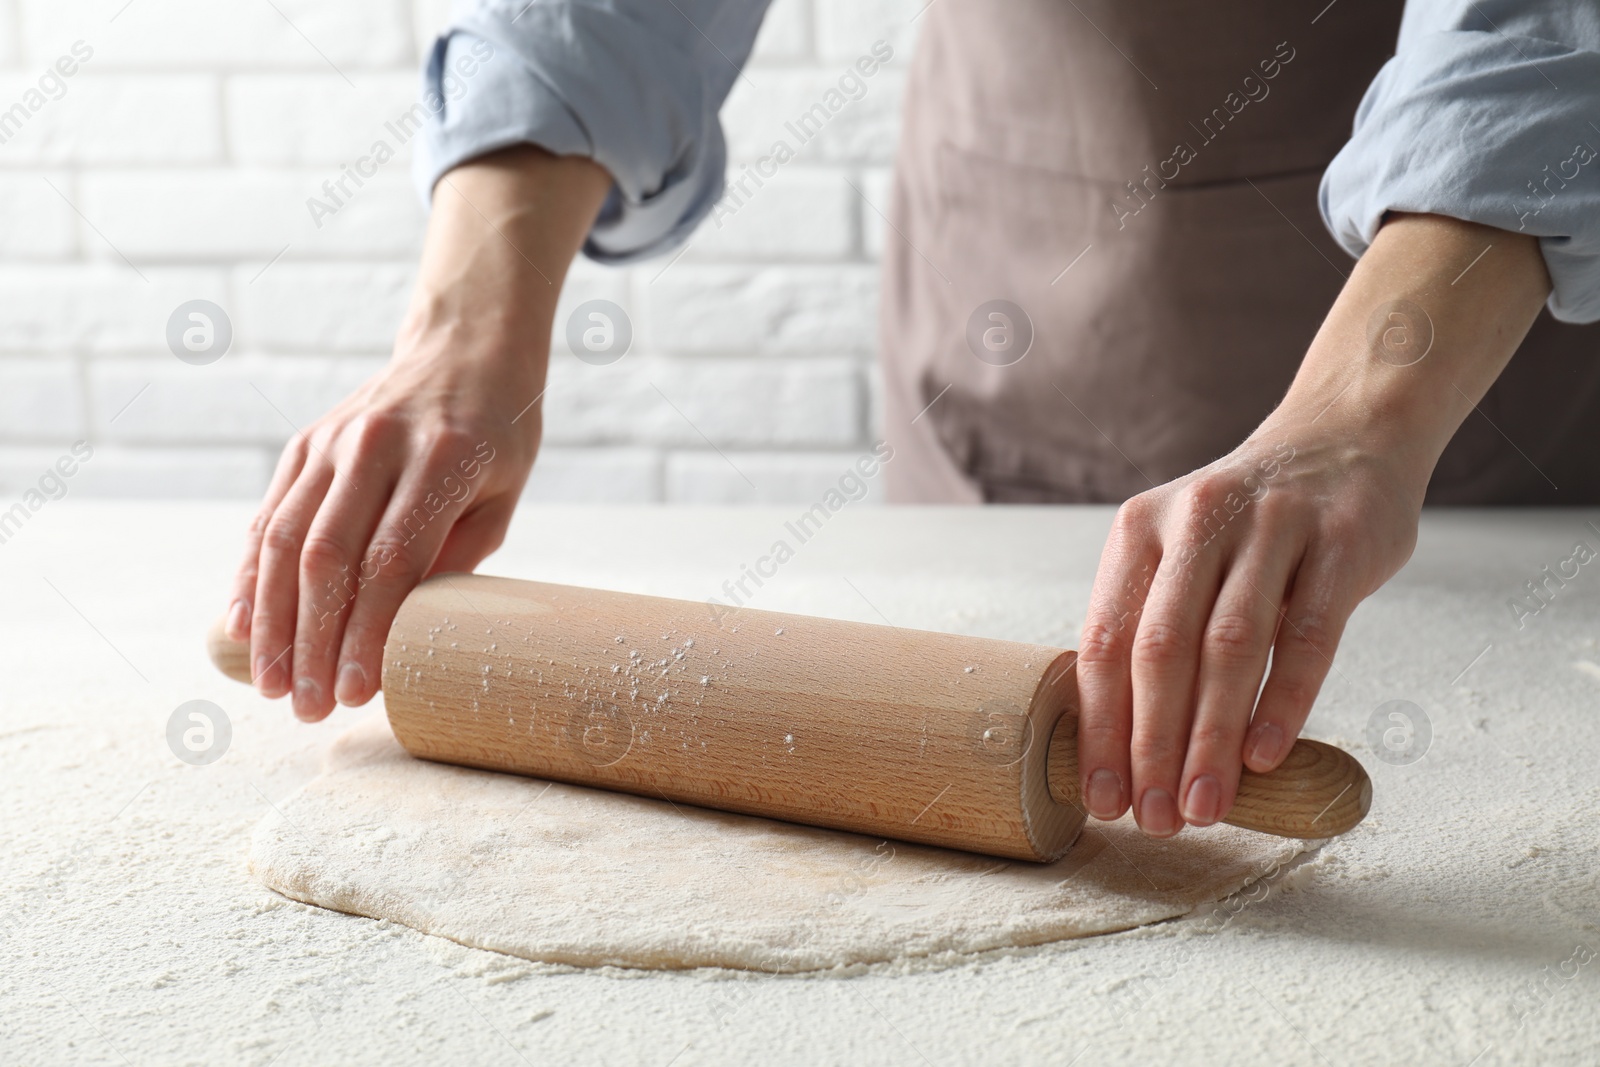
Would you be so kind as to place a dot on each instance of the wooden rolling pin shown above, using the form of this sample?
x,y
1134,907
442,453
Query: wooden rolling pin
x,y
961,742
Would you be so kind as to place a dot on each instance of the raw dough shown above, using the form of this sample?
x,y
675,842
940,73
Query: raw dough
x,y
566,874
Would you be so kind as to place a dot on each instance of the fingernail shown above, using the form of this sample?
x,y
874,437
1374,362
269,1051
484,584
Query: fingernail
x,y
307,700
1205,797
1266,742
351,686
262,663
1158,815
1104,794
238,624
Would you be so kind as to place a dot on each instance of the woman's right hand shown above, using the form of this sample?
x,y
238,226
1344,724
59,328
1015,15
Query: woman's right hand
x,y
420,469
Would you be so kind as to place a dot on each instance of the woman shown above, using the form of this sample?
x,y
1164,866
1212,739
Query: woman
x,y
1105,280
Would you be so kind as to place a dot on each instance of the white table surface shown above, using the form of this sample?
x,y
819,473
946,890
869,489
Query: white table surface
x,y
1439,931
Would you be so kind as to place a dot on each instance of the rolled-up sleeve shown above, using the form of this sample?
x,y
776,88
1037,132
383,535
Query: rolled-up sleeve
x,y
1488,112
633,84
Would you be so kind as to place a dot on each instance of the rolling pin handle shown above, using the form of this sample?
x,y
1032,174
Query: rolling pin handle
x,y
231,657
1317,791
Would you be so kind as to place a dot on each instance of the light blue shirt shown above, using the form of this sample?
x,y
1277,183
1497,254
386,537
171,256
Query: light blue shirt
x,y
1488,112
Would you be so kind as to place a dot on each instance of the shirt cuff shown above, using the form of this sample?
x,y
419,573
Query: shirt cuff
x,y
587,82
1471,125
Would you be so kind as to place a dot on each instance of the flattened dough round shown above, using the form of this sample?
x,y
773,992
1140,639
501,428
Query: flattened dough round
x,y
565,874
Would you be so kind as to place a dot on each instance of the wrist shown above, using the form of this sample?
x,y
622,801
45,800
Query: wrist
x,y
477,323
1373,406
1369,423
1428,318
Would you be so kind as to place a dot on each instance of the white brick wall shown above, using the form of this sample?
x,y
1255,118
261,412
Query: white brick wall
x,y
153,119
176,165
8,32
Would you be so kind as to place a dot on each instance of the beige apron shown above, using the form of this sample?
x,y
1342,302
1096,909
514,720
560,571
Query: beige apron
x,y
1140,179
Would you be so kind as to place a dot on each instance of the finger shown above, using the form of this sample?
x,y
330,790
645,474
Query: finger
x,y
1233,658
331,570
1164,663
1105,687
277,585
404,547
1309,629
242,594
478,533
469,541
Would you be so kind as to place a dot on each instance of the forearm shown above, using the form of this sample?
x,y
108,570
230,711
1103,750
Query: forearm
x,y
505,228
1428,319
